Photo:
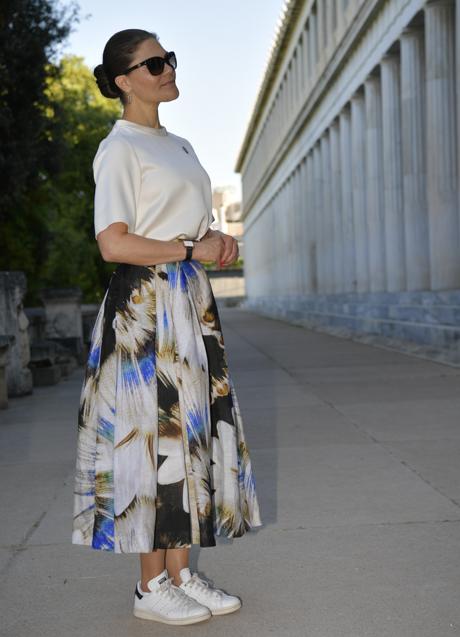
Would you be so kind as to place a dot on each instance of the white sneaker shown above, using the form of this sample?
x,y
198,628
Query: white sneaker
x,y
167,603
218,602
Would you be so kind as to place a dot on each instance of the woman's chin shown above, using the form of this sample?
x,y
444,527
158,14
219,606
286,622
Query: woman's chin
x,y
173,94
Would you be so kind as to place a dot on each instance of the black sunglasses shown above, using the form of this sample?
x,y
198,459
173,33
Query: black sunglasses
x,y
156,64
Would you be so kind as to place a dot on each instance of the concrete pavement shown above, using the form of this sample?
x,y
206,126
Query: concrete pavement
x,y
356,453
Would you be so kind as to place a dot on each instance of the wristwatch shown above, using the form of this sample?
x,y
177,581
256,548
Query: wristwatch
x,y
189,249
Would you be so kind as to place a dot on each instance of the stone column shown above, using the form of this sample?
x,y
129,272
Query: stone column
x,y
374,183
302,239
457,82
288,89
359,191
302,67
320,30
442,171
272,236
330,8
392,174
293,237
318,199
292,241
292,81
295,232
340,14
278,220
283,265
288,260
277,119
311,227
413,124
284,271
302,230
327,233
63,318
313,48
306,57
336,207
14,325
263,241
295,80
254,260
349,267
281,114
5,343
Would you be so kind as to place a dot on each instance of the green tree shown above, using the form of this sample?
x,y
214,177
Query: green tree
x,y
50,236
30,33
81,117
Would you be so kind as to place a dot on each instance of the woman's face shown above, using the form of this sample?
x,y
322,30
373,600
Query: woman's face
x,y
146,87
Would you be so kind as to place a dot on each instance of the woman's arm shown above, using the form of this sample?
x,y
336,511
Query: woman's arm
x,y
117,245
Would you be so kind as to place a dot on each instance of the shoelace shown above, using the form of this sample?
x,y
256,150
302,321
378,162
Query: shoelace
x,y
196,581
173,591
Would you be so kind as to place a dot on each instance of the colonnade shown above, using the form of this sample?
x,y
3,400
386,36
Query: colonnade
x,y
373,204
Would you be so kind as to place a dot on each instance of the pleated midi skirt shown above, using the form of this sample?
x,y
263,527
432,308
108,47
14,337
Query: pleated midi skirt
x,y
161,458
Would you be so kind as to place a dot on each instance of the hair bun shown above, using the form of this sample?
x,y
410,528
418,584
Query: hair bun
x,y
105,86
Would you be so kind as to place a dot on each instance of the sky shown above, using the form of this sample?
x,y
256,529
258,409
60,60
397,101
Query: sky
x,y
222,49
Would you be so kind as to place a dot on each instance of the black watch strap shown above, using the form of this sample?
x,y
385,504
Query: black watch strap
x,y
188,249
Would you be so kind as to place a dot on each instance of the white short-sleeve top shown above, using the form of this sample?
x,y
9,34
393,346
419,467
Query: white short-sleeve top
x,y
152,180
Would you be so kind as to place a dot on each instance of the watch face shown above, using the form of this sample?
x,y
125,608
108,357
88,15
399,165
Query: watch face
x,y
188,243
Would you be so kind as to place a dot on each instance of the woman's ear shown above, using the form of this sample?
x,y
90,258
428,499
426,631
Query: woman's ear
x,y
123,83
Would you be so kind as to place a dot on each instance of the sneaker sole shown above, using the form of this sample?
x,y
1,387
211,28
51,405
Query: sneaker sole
x,y
164,620
224,611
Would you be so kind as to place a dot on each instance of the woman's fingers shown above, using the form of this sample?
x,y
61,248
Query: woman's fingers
x,y
225,249
233,253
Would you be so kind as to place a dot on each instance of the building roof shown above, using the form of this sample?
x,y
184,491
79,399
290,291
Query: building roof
x,y
286,24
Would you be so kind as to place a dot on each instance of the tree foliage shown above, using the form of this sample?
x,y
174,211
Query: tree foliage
x,y
30,32
85,117
52,117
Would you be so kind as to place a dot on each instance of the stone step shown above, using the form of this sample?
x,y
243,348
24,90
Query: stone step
x,y
421,321
421,297
439,335
432,314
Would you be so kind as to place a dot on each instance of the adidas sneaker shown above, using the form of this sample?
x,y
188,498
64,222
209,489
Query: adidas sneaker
x,y
218,602
167,603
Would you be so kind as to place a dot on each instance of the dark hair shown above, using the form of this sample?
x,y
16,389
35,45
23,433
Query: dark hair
x,y
117,56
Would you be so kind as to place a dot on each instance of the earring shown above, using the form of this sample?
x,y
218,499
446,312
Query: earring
x,y
129,98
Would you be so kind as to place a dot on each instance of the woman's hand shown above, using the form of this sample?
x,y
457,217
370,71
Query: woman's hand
x,y
216,246
231,251
209,248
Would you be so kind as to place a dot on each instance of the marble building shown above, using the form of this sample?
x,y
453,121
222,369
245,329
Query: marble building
x,y
350,171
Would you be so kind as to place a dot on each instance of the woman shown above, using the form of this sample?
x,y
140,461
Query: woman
x,y
162,461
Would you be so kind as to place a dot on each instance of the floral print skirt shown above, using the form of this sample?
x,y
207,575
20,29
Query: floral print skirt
x,y
161,459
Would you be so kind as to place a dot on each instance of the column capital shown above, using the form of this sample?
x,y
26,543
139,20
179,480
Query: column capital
x,y
372,78
432,3
412,30
390,56
358,94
